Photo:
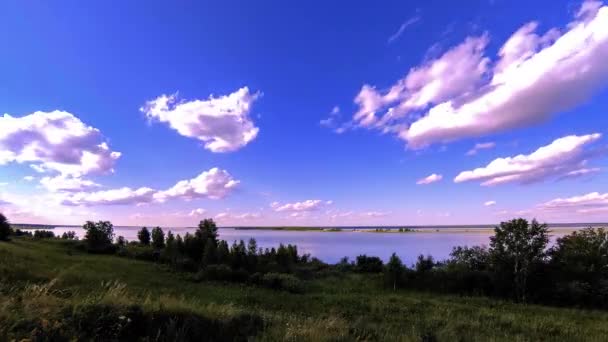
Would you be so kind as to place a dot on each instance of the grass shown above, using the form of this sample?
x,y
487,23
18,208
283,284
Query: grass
x,y
48,276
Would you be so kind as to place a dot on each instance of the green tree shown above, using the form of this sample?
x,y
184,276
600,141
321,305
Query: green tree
x,y
158,238
99,235
516,247
223,253
5,228
144,236
207,229
582,255
394,271
210,254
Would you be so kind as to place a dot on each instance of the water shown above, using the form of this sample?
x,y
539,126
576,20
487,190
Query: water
x,y
332,246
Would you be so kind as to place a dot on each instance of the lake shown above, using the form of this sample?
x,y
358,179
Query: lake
x,y
332,246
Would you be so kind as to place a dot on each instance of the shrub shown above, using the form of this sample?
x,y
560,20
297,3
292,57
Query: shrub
x,y
99,236
158,238
43,234
222,273
70,235
144,236
5,228
367,264
280,281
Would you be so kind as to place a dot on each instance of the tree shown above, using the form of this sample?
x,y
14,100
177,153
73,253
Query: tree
x,y
582,255
121,241
144,236
424,264
207,229
394,271
516,247
158,238
98,236
5,228
210,255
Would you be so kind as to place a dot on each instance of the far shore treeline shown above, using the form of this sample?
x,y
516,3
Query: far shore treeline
x,y
517,264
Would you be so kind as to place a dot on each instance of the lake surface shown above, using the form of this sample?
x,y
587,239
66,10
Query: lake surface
x,y
332,246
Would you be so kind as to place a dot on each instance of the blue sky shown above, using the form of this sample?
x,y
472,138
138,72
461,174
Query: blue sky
x,y
310,113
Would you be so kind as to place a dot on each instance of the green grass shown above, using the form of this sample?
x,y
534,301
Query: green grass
x,y
51,275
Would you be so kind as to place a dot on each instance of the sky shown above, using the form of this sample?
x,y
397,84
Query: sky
x,y
303,113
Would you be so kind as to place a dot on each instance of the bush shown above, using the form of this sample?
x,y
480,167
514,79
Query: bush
x,y
367,264
280,281
144,236
139,252
221,273
43,234
158,238
71,235
5,228
99,237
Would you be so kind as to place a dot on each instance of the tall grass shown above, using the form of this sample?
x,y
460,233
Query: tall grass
x,y
48,289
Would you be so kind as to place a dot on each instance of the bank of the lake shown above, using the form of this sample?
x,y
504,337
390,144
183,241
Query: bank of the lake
x,y
46,282
331,246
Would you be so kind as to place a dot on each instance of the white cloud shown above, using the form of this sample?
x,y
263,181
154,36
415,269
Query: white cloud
x,y
375,214
222,123
561,157
28,178
490,203
55,141
308,205
197,212
111,197
458,71
3,184
430,179
590,203
67,183
243,217
461,94
480,146
212,184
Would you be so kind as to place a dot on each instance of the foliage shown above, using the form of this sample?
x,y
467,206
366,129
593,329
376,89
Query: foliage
x,y
69,235
5,228
43,234
143,235
367,264
163,306
158,238
394,271
99,236
516,247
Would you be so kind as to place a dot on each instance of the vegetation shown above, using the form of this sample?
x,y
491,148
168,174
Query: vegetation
x,y
199,287
5,228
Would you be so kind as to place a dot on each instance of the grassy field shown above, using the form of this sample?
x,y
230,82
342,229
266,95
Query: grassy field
x,y
40,279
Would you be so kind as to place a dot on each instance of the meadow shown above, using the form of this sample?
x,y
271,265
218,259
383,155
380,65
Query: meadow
x,y
50,290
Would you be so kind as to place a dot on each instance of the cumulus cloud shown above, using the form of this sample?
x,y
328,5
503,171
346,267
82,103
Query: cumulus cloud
x,y
28,178
308,205
55,141
480,146
67,183
197,212
212,184
123,195
463,94
430,179
563,156
590,203
222,123
490,203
